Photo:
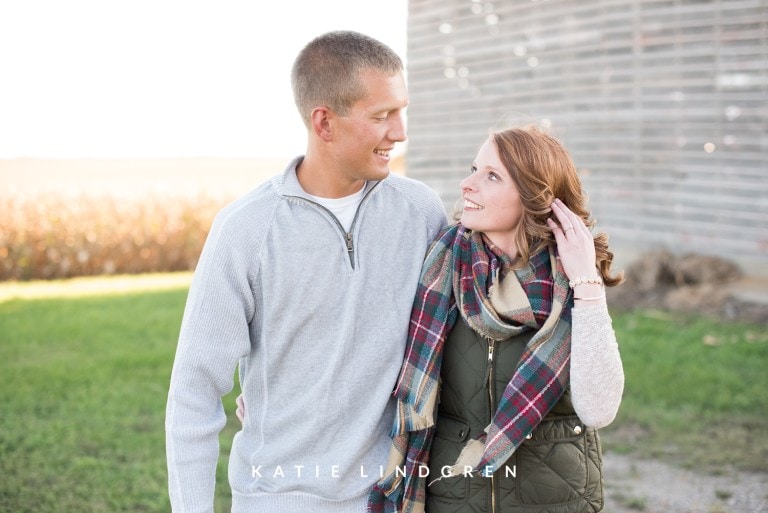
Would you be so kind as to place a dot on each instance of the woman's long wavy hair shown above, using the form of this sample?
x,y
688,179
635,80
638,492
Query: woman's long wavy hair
x,y
543,170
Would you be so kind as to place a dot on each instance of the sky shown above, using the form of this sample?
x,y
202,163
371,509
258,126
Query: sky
x,y
164,78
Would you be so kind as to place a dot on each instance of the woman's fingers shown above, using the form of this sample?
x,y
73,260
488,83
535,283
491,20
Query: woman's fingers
x,y
568,220
562,216
575,243
556,230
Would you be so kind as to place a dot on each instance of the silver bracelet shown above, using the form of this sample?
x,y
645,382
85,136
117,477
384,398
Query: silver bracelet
x,y
602,296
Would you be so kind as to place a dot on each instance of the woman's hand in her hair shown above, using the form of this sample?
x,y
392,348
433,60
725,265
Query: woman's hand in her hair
x,y
575,243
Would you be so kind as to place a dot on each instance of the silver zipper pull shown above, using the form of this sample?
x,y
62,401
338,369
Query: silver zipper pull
x,y
490,349
350,247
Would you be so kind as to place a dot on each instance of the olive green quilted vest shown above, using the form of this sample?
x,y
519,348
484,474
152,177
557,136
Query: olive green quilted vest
x,y
556,470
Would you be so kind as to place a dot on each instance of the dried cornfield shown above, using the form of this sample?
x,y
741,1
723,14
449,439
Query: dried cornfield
x,y
47,236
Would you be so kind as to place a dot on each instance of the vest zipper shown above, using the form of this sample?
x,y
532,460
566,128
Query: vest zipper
x,y
492,399
347,234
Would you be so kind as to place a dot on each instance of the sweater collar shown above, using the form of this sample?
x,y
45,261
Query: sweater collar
x,y
288,182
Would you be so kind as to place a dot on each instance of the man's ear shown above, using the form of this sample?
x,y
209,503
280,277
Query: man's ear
x,y
320,120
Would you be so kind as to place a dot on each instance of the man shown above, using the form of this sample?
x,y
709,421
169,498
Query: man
x,y
307,283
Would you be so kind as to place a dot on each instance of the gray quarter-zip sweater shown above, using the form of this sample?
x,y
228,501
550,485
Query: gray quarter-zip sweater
x,y
317,318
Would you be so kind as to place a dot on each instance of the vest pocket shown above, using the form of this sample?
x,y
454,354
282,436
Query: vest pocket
x,y
452,428
557,464
450,436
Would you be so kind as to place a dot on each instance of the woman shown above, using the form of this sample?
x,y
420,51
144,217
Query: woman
x,y
512,363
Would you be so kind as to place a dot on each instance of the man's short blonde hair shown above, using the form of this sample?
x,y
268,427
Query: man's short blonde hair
x,y
327,72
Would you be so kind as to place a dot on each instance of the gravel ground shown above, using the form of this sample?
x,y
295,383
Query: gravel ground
x,y
650,486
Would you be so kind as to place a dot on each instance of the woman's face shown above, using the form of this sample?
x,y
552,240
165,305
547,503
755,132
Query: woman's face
x,y
491,200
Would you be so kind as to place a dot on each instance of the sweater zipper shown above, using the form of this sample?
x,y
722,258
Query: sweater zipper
x,y
347,234
492,399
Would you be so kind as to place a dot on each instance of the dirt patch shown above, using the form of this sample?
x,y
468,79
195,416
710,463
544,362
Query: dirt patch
x,y
650,486
692,283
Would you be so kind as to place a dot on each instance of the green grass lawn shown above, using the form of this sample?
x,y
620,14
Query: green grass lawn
x,y
85,381
696,391
85,378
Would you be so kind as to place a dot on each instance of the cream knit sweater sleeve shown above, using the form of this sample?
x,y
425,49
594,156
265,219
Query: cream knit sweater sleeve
x,y
597,375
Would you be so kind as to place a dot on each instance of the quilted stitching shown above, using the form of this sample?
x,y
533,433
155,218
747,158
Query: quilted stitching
x,y
557,471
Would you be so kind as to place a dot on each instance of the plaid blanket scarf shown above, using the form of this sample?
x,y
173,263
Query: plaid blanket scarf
x,y
460,276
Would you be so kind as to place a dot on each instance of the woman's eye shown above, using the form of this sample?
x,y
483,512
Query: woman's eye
x,y
472,169
493,176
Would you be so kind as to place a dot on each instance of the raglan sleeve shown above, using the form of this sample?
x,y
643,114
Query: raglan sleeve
x,y
214,335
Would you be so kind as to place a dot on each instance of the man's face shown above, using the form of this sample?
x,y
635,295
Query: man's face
x,y
364,138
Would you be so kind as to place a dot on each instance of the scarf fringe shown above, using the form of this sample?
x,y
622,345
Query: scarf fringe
x,y
408,419
469,458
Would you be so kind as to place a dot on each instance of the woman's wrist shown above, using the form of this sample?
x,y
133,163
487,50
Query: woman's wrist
x,y
588,293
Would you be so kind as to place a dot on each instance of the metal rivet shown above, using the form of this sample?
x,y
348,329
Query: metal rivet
x,y
529,436
577,430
